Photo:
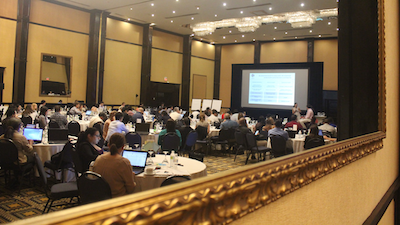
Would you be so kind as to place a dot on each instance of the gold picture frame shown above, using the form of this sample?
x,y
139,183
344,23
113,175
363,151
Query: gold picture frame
x,y
227,196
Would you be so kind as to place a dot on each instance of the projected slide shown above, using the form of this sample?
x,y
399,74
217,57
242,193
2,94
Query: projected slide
x,y
272,88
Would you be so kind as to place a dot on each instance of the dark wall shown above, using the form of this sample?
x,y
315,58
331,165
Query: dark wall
x,y
315,83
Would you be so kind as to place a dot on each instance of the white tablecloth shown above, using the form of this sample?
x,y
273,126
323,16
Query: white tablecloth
x,y
191,167
84,124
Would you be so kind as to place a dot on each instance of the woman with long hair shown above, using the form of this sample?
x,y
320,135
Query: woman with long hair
x,y
115,169
43,117
313,139
25,149
107,123
203,123
87,146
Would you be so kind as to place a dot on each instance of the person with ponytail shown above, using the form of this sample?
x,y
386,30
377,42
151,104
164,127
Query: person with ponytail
x,y
115,169
25,149
87,146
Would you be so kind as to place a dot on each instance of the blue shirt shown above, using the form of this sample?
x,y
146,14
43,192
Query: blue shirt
x,y
229,124
278,132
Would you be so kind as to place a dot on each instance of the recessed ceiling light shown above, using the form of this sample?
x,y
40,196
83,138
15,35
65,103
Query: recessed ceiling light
x,y
329,23
224,4
235,40
254,0
302,4
286,32
131,8
319,35
192,18
264,35
129,19
254,39
241,12
310,31
216,15
274,38
173,11
172,21
275,28
295,37
201,39
152,4
230,31
152,15
270,8
337,29
223,37
243,35
197,7
152,24
177,0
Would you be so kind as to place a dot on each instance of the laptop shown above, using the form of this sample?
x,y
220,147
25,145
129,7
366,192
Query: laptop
x,y
33,134
57,135
137,158
88,113
142,128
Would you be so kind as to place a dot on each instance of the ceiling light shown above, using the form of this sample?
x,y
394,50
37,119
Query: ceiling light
x,y
197,7
235,40
230,31
242,35
192,18
152,15
274,38
172,21
173,11
275,28
212,43
223,37
241,12
295,37
215,15
224,4
270,8
254,39
177,0
302,4
152,24
152,4
310,31
264,35
337,29
319,35
129,19
254,0
131,8
329,23
286,32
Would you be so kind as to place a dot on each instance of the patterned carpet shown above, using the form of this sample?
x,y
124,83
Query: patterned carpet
x,y
31,200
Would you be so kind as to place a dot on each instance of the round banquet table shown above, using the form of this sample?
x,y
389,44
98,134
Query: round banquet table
x,y
191,167
84,124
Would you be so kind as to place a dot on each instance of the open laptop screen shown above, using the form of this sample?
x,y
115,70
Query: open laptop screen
x,y
137,158
33,134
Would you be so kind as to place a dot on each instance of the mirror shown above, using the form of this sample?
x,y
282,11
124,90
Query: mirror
x,y
55,77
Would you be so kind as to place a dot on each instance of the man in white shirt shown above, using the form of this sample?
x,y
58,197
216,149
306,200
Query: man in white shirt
x,y
213,117
307,118
235,116
329,128
102,117
116,126
175,115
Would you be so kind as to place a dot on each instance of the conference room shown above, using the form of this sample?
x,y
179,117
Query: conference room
x,y
258,60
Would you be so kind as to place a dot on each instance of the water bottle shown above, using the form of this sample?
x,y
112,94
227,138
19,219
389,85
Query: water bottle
x,y
172,159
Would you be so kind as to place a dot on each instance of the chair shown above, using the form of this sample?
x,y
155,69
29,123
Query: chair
x,y
87,193
62,161
278,146
74,128
252,145
202,138
9,162
221,139
133,138
26,120
190,142
174,180
292,133
241,144
57,191
53,124
77,163
313,143
170,142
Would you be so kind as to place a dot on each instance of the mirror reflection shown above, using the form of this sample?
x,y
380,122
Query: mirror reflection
x,y
55,76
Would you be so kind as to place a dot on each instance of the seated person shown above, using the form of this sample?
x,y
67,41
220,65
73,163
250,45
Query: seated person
x,y
138,115
213,118
116,126
25,149
10,113
169,128
115,169
43,117
235,115
260,123
87,147
277,131
228,123
185,130
60,119
313,139
107,123
328,128
243,128
308,117
127,113
176,115
76,110
331,122
269,124
101,118
293,121
203,123
164,117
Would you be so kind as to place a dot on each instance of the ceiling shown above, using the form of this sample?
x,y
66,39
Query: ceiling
x,y
175,15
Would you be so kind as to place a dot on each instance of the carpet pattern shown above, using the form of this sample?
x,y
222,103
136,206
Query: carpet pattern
x,y
30,201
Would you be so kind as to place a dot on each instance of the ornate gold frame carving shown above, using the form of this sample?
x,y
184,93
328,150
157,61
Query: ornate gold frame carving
x,y
227,196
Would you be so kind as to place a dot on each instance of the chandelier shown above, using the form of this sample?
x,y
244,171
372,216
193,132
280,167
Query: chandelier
x,y
250,24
